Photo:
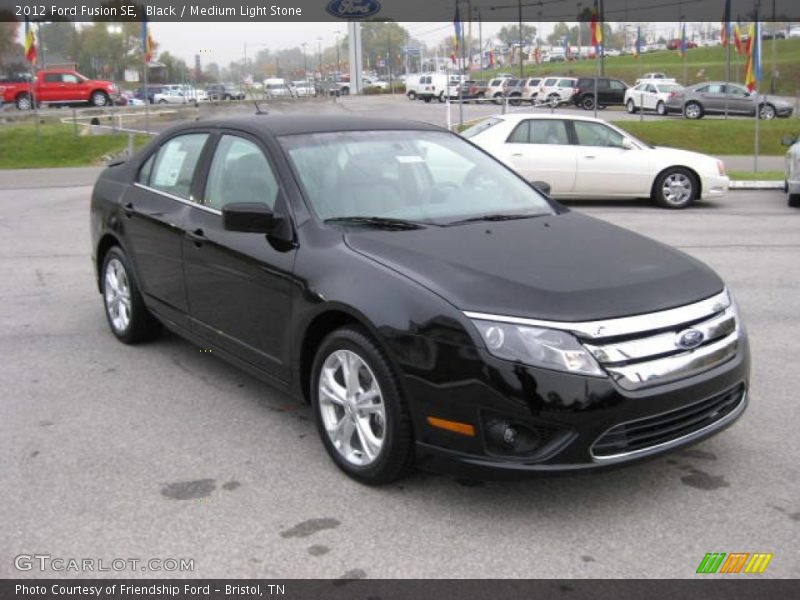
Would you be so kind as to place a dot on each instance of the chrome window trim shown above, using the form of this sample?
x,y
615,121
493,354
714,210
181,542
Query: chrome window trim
x,y
623,325
623,456
213,211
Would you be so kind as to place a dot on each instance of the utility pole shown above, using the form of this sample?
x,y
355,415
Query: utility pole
x,y
338,62
319,51
519,16
305,61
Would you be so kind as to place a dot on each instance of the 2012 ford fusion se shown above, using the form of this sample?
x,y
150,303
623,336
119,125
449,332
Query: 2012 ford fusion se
x,y
433,307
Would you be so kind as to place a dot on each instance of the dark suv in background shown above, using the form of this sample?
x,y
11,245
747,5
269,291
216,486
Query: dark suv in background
x,y
224,91
610,92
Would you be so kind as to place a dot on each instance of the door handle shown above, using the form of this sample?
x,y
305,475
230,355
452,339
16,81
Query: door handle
x,y
589,156
517,154
197,236
128,210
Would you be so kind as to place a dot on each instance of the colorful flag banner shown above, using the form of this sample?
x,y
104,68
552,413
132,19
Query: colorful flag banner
x,y
30,42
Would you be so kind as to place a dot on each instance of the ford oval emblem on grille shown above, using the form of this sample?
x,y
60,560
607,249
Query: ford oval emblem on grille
x,y
689,338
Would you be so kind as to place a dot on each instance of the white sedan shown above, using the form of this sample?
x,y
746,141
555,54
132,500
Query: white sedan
x,y
650,95
172,97
792,173
581,157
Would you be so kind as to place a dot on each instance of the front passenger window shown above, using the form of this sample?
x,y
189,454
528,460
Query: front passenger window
x,y
240,173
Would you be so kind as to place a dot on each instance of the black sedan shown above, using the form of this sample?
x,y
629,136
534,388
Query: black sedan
x,y
432,306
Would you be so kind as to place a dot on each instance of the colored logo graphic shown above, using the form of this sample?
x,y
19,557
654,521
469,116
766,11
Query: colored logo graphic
x,y
734,562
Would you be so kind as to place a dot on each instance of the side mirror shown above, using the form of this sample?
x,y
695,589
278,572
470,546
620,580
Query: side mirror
x,y
788,140
249,217
542,186
627,144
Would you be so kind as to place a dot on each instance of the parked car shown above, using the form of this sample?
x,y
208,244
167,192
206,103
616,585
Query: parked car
x,y
581,157
430,304
277,88
610,92
650,95
495,89
791,183
61,87
794,32
152,90
374,82
711,97
478,89
432,86
530,90
224,91
513,89
557,90
173,96
303,89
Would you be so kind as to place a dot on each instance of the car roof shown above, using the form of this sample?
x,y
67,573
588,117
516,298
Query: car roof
x,y
297,124
544,116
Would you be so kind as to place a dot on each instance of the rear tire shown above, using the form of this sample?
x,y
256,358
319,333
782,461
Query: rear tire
x,y
794,200
766,112
363,421
412,95
676,188
515,100
630,107
127,315
661,108
587,103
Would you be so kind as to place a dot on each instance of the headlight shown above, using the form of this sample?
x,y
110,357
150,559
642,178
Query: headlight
x,y
538,347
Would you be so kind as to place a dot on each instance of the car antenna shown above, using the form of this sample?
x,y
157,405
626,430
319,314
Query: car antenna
x,y
258,108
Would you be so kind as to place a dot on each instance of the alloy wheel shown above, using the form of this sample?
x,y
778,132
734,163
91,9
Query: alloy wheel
x,y
351,407
693,111
767,111
117,291
677,189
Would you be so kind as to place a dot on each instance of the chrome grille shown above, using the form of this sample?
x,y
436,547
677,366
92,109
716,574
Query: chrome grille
x,y
655,355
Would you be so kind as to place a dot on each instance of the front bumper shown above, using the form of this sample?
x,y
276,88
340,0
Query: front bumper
x,y
714,185
573,415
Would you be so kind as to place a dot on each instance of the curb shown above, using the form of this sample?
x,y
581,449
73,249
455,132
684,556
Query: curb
x,y
756,185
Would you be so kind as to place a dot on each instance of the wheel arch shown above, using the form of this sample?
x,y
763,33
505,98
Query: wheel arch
x,y
697,179
317,329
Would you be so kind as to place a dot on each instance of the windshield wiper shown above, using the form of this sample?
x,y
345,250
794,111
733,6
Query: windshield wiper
x,y
497,217
386,222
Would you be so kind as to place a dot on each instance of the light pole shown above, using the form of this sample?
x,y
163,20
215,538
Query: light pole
x,y
305,61
580,31
338,63
319,51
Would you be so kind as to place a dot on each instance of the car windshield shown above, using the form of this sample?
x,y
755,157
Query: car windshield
x,y
423,176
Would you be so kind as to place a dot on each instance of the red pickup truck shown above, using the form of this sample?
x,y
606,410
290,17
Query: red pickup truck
x,y
59,86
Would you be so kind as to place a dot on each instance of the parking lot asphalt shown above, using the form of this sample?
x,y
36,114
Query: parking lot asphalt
x,y
163,451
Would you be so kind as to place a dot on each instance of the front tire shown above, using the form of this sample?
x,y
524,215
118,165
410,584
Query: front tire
x,y
661,108
24,102
99,99
766,112
693,111
794,200
412,95
127,315
630,107
361,416
587,103
676,187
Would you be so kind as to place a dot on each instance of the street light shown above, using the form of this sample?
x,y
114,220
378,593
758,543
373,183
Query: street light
x,y
338,64
319,50
305,61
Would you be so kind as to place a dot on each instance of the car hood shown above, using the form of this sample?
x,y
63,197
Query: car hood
x,y
686,157
567,267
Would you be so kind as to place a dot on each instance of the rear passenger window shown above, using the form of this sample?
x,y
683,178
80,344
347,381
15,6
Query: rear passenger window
x,y
175,164
520,133
240,173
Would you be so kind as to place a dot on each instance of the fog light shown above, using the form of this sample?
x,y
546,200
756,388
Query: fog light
x,y
510,436
506,437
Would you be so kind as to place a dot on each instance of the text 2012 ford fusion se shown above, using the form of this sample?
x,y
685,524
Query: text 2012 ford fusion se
x,y
433,307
